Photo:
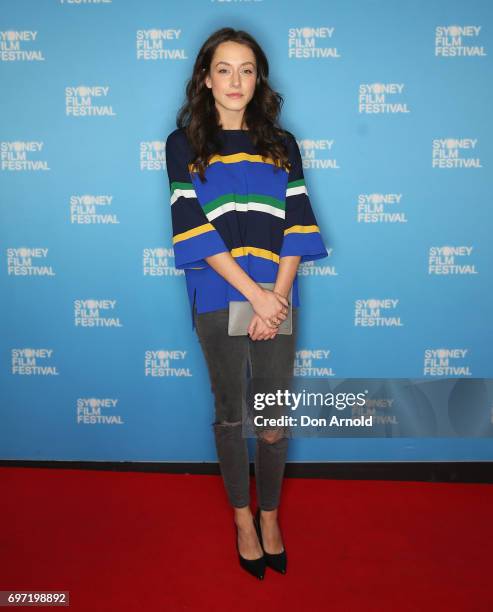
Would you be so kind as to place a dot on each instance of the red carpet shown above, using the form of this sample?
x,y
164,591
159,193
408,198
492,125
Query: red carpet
x,y
158,542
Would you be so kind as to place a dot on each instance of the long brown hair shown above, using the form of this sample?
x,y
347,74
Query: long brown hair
x,y
200,118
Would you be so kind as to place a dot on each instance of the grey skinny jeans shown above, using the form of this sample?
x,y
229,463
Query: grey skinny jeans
x,y
227,359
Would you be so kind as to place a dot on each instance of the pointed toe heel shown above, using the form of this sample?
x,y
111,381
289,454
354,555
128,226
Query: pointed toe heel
x,y
255,567
278,561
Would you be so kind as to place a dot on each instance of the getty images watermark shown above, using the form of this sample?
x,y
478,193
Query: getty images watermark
x,y
285,399
371,407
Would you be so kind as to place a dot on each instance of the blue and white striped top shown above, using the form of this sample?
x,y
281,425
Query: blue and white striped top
x,y
248,206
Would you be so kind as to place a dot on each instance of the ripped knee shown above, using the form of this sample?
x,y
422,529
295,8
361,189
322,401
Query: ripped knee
x,y
226,423
271,436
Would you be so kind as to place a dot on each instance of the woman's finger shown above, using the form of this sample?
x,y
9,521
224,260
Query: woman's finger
x,y
252,328
263,332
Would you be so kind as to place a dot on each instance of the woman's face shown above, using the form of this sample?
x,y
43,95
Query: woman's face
x,y
233,70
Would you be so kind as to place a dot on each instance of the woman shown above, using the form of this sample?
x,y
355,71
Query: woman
x,y
241,216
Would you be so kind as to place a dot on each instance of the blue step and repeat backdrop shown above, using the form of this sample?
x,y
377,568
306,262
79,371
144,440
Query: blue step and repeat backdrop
x,y
391,105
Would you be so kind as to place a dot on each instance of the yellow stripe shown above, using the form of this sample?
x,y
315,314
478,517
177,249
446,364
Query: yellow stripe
x,y
241,251
238,252
196,231
238,157
301,229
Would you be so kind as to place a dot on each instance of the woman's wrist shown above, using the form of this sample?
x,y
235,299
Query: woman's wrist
x,y
288,269
253,291
282,291
283,288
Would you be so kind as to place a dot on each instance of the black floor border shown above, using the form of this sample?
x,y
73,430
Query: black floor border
x,y
466,471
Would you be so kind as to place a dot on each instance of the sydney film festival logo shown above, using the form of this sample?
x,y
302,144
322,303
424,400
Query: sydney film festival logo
x,y
317,154
95,313
446,362
451,260
159,44
160,363
377,313
152,155
382,98
380,208
97,411
313,363
455,153
33,362
88,101
160,261
89,209
21,155
458,41
28,261
20,46
312,42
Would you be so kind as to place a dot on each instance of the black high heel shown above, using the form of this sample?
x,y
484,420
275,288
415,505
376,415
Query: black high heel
x,y
277,561
255,567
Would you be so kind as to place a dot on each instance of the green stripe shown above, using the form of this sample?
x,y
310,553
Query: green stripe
x,y
297,183
243,199
178,185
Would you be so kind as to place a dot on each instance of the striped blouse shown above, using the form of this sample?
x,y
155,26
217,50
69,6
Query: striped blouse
x,y
248,206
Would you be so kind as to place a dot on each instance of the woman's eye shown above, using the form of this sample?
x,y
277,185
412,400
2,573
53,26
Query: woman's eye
x,y
247,70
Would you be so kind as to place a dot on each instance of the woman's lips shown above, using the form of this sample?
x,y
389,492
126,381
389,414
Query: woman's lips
x,y
234,95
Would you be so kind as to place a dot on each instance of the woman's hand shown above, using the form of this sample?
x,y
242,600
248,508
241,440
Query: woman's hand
x,y
259,330
271,307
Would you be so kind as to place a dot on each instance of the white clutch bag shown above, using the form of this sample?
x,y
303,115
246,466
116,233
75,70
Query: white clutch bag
x,y
241,313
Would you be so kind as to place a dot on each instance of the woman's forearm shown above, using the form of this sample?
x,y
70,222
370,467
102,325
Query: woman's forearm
x,y
288,268
225,265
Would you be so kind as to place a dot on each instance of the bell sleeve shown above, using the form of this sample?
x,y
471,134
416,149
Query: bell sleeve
x,y
301,232
194,238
